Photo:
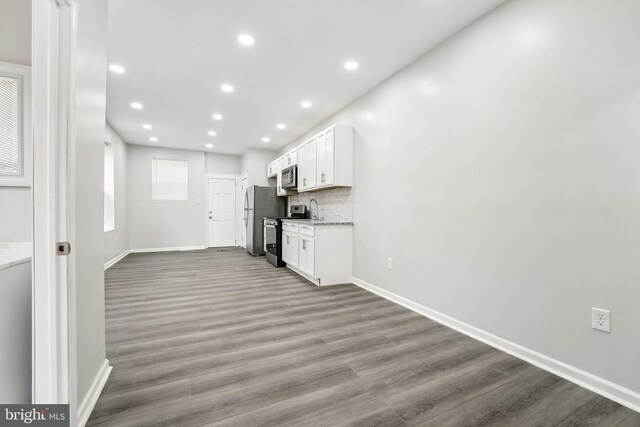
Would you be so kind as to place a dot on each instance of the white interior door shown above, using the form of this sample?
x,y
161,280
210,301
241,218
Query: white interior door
x,y
222,212
54,350
243,229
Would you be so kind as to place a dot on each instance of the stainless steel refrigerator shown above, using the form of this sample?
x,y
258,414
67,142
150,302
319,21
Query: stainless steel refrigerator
x,y
258,203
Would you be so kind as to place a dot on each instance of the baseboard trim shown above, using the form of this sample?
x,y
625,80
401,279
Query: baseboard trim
x,y
114,260
608,389
91,398
176,248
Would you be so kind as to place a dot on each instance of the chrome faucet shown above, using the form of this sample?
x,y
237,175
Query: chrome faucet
x,y
315,216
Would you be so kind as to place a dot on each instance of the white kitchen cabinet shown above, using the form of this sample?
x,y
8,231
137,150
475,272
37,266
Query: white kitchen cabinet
x,y
279,190
324,161
307,165
273,168
306,255
324,252
334,154
325,150
290,253
290,159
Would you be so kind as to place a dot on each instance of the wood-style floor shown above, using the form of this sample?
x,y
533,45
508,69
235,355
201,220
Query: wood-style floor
x,y
217,337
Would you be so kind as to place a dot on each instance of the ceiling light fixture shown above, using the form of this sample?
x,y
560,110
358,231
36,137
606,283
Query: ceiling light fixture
x,y
147,127
212,133
209,145
306,104
226,88
118,69
265,139
351,65
136,106
217,117
246,40
281,126
153,139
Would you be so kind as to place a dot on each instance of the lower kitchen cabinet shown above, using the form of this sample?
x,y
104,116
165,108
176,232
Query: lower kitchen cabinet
x,y
306,256
290,248
321,253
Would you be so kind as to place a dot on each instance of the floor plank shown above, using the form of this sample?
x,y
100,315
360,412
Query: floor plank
x,y
217,337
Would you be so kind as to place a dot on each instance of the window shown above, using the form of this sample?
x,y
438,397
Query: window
x,y
109,189
169,180
14,125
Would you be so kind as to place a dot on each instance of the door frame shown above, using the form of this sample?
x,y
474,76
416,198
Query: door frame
x,y
208,176
54,375
240,219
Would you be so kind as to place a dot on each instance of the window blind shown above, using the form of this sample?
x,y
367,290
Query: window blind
x,y
169,180
10,118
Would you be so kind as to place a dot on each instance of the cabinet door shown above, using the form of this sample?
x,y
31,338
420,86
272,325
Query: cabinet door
x,y
330,160
290,158
307,165
290,249
279,190
321,158
326,159
306,255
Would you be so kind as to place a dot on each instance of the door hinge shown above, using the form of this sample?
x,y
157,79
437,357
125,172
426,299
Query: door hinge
x,y
63,248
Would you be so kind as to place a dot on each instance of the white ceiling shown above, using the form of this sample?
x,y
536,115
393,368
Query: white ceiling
x,y
177,53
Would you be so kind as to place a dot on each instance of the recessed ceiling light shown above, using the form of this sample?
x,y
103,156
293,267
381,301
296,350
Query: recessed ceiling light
x,y
147,127
351,65
265,139
246,39
118,69
136,106
217,117
153,139
226,88
306,104
281,126
209,145
212,133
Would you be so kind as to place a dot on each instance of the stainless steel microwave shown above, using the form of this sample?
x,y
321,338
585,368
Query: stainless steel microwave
x,y
290,177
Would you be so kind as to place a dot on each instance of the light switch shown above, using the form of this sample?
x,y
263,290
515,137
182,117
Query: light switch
x,y
196,200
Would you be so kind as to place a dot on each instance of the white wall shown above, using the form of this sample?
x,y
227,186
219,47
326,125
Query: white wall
x,y
164,224
88,245
15,47
15,334
222,164
15,219
254,162
500,171
15,31
116,241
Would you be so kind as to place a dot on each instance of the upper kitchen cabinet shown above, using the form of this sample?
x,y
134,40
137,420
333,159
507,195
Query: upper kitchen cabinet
x,y
324,161
273,168
334,157
290,159
307,165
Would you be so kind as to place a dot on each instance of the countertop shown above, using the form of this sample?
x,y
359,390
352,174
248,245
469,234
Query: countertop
x,y
317,221
14,253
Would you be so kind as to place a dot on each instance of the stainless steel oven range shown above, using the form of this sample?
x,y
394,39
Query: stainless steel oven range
x,y
272,241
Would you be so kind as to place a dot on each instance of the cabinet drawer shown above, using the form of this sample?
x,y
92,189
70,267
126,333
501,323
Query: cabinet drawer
x,y
289,227
307,231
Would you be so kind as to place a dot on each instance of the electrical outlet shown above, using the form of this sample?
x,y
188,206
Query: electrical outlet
x,y
389,263
601,319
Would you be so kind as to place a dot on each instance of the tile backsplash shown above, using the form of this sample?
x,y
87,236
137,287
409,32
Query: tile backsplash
x,y
333,205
